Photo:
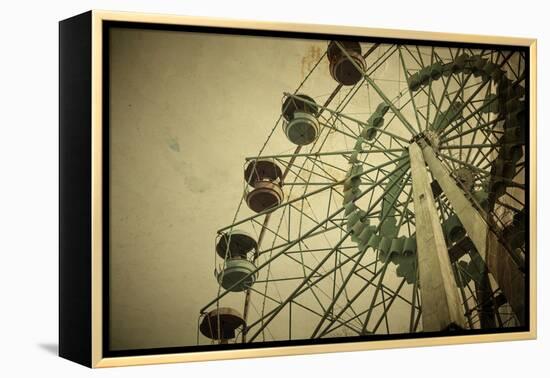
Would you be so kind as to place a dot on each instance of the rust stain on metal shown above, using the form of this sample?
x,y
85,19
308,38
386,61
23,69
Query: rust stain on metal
x,y
309,60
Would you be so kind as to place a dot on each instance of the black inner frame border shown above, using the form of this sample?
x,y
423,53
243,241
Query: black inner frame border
x,y
106,27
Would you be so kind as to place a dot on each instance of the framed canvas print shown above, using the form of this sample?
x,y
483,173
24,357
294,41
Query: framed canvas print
x,y
234,189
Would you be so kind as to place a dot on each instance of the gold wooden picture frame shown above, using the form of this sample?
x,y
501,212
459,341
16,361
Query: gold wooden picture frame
x,y
159,118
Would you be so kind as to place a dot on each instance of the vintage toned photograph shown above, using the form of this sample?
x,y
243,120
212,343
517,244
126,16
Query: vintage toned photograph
x,y
277,189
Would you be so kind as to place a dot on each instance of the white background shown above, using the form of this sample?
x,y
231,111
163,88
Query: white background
x,y
29,189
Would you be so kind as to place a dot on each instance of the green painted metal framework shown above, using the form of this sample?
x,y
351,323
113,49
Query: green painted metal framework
x,y
338,256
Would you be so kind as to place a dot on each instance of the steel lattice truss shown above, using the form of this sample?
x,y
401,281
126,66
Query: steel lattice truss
x,y
335,252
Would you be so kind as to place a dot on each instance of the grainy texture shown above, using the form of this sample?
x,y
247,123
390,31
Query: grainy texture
x,y
186,109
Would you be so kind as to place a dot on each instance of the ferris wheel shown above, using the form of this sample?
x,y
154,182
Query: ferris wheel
x,y
397,204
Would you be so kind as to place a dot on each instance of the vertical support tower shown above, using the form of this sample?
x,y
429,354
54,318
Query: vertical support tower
x,y
441,308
